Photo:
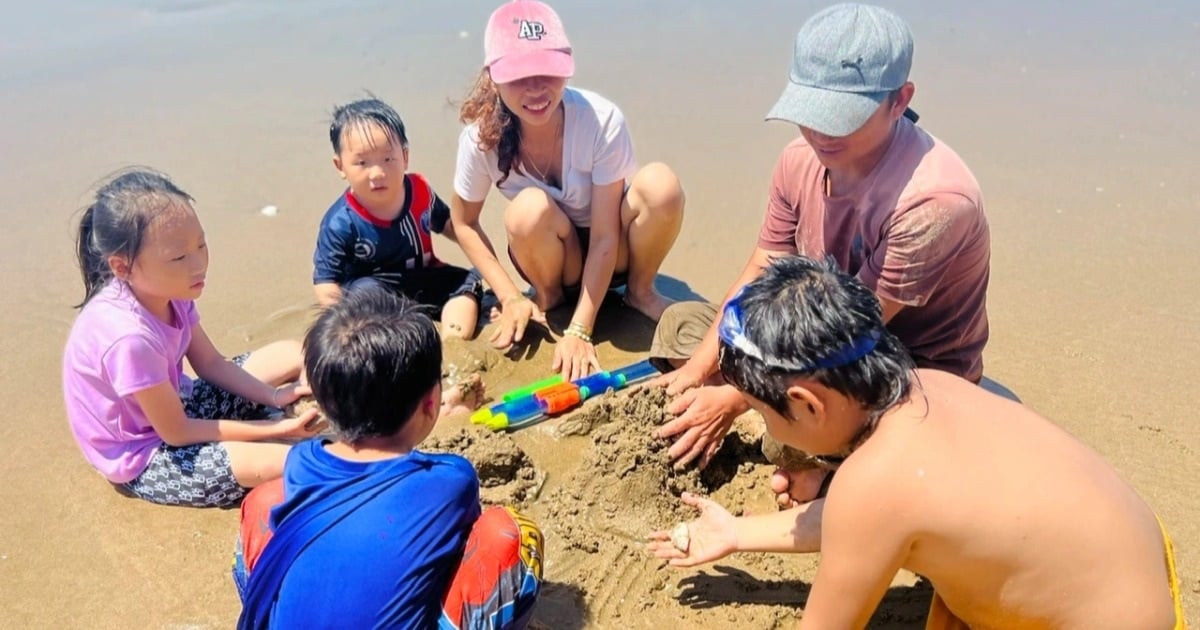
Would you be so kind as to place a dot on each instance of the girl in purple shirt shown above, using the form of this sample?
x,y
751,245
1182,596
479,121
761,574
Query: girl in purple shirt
x,y
140,421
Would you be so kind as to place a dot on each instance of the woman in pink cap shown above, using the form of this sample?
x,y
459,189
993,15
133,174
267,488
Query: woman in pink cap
x,y
581,216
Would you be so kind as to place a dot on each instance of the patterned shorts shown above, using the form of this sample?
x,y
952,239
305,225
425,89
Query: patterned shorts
x,y
198,475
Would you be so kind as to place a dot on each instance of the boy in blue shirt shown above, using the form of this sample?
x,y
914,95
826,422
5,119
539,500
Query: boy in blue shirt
x,y
368,531
379,232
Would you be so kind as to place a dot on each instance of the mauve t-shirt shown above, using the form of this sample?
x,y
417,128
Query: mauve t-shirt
x,y
117,348
913,231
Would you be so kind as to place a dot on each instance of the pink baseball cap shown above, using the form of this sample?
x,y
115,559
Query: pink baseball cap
x,y
525,38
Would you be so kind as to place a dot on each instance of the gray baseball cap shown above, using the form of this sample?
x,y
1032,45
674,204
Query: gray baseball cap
x,y
846,61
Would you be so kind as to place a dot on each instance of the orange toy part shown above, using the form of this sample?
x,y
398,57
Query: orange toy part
x,y
562,401
554,390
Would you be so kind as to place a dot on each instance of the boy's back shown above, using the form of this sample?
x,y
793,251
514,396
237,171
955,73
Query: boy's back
x,y
389,562
1015,522
367,531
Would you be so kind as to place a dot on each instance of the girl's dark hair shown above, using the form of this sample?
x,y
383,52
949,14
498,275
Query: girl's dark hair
x,y
801,312
369,359
115,223
498,127
361,115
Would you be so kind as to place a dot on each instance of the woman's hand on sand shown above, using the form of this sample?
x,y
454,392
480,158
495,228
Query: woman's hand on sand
x,y
289,393
515,315
301,427
574,358
703,417
709,538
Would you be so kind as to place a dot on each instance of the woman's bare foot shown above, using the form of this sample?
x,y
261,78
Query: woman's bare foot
x,y
792,488
462,398
649,303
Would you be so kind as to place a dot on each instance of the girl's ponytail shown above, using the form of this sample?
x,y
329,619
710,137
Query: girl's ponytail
x,y
92,265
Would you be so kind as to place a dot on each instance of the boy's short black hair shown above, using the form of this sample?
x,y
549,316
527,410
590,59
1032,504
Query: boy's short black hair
x,y
805,318
370,358
362,114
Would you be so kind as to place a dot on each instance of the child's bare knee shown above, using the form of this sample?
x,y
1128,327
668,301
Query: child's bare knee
x,y
254,463
292,348
460,316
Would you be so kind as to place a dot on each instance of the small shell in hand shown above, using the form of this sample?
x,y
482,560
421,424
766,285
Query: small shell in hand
x,y
681,537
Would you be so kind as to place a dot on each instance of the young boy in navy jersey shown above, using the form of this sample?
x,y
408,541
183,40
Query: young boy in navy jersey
x,y
380,231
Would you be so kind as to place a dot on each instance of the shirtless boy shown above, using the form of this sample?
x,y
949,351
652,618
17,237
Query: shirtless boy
x,y
1016,523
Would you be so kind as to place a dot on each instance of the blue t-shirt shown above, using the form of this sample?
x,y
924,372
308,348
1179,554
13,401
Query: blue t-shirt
x,y
352,243
388,563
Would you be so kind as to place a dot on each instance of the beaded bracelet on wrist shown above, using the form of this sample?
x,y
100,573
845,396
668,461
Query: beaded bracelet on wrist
x,y
577,333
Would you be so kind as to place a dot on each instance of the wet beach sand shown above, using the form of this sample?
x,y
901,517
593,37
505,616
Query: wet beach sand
x,y
1078,121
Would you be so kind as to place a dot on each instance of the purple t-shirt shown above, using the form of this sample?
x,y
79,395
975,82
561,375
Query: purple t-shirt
x,y
116,348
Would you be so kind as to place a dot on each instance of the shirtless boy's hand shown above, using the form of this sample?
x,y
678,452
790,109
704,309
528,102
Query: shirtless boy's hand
x,y
707,539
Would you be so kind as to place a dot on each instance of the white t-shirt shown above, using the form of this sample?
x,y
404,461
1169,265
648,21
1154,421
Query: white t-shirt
x,y
597,150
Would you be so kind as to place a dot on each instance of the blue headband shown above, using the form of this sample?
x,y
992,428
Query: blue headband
x,y
731,332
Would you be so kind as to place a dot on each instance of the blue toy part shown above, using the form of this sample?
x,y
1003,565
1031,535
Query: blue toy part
x,y
637,371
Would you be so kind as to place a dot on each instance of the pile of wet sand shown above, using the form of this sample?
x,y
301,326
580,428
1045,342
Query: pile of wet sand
x,y
625,486
506,474
626,476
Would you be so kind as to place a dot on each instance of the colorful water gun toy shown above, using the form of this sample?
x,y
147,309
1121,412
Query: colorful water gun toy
x,y
530,404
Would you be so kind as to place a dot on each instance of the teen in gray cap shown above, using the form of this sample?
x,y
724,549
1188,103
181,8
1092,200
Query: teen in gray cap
x,y
863,185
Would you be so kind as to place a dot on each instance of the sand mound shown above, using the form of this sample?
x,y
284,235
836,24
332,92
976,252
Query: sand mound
x,y
627,474
506,474
625,487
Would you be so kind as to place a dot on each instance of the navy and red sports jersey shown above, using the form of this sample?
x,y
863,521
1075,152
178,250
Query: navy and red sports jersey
x,y
352,243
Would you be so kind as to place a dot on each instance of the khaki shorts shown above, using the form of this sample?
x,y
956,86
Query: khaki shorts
x,y
680,330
